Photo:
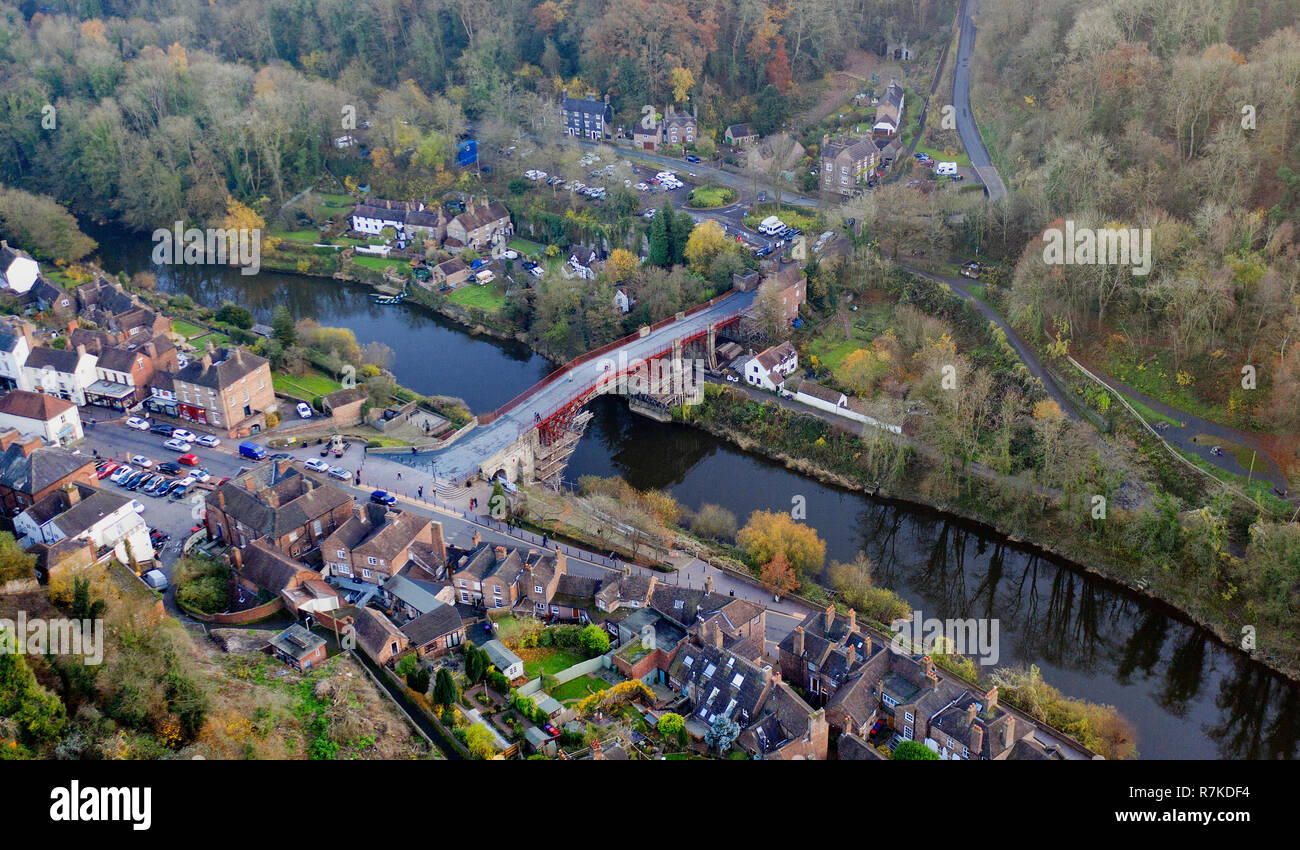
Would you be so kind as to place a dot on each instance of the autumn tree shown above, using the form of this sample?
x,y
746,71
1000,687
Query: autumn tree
x,y
778,575
771,532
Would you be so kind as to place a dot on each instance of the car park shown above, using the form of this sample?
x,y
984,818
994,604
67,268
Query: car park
x,y
316,465
136,423
177,445
208,441
141,461
340,473
383,497
304,411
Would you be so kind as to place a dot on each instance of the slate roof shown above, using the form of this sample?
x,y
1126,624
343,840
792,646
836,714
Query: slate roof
x,y
442,620
118,359
739,131
770,357
41,469
500,654
44,510
721,682
575,591
221,369
301,498
268,567
587,105
30,405
665,599
297,642
398,531
8,341
61,360
413,593
482,215
82,516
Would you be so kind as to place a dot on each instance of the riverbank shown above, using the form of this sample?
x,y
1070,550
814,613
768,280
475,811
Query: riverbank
x,y
997,507
909,491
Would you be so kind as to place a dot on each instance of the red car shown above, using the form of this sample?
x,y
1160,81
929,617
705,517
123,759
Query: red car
x,y
188,460
106,470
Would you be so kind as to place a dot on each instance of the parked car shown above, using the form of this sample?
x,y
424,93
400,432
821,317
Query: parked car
x,y
121,474
162,428
177,445
182,434
201,474
141,461
137,506
304,410
169,468
208,441
252,451
690,157
733,379
137,423
156,579
340,473
188,459
105,469
317,465
383,497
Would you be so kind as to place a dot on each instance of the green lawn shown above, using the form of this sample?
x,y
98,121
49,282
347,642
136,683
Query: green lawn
x,y
579,688
483,297
958,157
307,386
187,330
710,196
218,339
308,236
380,263
547,659
525,247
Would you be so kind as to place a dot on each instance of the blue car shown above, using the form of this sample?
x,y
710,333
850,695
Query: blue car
x,y
690,157
383,497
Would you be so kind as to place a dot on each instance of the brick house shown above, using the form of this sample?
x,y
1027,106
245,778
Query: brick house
x,y
29,472
451,272
279,502
436,633
377,635
845,162
376,545
740,135
227,388
479,226
680,128
123,374
298,648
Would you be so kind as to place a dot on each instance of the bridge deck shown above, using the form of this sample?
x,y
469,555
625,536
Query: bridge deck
x,y
462,459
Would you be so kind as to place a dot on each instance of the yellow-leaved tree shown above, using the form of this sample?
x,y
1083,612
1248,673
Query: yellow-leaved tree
x,y
769,533
704,245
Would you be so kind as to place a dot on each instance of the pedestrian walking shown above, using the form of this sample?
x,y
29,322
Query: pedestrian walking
x,y
420,491
399,476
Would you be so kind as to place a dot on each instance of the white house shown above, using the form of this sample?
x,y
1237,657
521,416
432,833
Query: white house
x,y
39,415
14,348
834,401
622,302
104,517
769,369
18,271
510,665
60,372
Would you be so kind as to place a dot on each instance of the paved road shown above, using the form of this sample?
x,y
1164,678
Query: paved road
x,y
966,127
1027,355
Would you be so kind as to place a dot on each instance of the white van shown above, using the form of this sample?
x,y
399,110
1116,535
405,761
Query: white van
x,y
946,168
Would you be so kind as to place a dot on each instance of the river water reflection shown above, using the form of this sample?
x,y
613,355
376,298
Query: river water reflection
x,y
1188,696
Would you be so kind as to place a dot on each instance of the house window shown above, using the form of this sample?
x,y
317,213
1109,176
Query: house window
x,y
965,753
342,553
908,717
907,732
315,526
371,561
462,582
464,597
888,700
496,590
496,603
537,588
365,573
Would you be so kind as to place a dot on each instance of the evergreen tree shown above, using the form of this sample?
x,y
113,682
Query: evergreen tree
x,y
283,327
661,250
444,688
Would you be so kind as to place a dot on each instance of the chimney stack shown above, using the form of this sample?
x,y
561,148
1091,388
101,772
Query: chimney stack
x,y
970,713
852,656
439,543
250,484
477,539
708,584
866,646
991,700
830,617
500,553
853,620
976,741
221,498
596,753
798,641
1009,733
71,493
238,557
717,635
561,564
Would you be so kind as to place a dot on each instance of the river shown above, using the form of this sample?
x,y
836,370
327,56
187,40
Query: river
x,y
1187,695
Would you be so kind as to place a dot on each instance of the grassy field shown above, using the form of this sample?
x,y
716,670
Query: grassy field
x,y
525,247
488,297
547,659
380,263
187,330
579,688
307,386
217,339
958,157
709,196
307,236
